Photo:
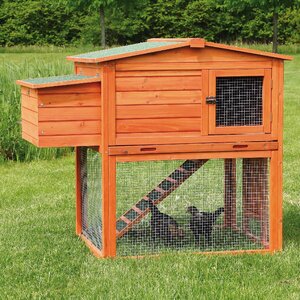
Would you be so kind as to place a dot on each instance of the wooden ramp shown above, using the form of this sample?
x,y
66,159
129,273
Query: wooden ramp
x,y
138,211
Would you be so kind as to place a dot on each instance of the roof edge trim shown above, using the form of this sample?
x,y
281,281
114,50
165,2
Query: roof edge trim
x,y
250,51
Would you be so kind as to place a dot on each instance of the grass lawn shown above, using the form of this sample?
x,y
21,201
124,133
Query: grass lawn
x,y
41,257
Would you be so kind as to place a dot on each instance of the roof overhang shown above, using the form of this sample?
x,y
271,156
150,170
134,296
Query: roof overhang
x,y
163,44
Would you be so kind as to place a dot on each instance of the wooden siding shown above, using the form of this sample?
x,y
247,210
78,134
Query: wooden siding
x,y
164,83
62,116
158,102
158,97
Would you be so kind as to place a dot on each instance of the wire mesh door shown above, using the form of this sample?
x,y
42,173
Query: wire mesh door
x,y
239,104
193,205
91,195
239,101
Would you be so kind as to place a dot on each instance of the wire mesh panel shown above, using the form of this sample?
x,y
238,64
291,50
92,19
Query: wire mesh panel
x,y
239,101
221,205
91,209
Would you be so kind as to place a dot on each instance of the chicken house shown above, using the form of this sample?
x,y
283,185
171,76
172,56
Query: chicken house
x,y
178,145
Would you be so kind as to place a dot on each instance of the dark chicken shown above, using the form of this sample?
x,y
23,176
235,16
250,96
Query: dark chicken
x,y
201,223
164,227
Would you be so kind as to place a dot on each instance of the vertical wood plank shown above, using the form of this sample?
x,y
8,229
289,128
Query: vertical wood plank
x,y
205,93
112,207
112,104
108,79
105,167
78,193
105,205
267,101
280,156
230,193
212,107
275,98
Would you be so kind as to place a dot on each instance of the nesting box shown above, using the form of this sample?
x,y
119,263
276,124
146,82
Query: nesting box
x,y
178,145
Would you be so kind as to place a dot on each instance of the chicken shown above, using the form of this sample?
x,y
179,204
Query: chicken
x,y
201,223
164,227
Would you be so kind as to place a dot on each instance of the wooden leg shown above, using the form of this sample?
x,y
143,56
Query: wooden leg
x,y
276,202
109,205
79,170
230,193
112,206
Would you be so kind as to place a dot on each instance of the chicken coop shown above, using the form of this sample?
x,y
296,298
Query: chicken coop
x,y
178,145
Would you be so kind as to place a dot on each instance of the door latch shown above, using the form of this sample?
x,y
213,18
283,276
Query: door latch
x,y
211,100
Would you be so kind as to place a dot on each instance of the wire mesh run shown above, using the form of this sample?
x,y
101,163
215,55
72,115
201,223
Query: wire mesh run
x,y
91,209
193,205
239,101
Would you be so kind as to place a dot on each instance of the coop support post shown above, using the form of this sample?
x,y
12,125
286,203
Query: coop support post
x,y
108,162
280,157
276,169
112,206
109,205
78,193
230,193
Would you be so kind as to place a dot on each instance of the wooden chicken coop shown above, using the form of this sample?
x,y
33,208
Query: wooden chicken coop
x,y
178,145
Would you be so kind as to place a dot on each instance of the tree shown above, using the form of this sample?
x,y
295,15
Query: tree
x,y
38,22
273,6
101,6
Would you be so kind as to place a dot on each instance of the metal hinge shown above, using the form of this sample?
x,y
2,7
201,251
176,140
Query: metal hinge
x,y
211,100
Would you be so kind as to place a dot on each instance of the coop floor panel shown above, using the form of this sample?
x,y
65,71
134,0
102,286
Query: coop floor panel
x,y
193,205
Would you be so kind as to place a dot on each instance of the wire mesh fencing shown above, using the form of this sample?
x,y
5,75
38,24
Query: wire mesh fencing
x,y
91,195
239,101
193,205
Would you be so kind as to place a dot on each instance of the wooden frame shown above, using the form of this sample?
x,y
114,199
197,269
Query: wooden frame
x,y
108,162
109,200
109,196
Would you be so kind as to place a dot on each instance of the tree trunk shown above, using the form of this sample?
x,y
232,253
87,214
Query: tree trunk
x,y
102,24
275,32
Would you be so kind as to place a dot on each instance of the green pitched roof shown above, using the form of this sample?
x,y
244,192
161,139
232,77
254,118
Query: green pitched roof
x,y
134,48
57,80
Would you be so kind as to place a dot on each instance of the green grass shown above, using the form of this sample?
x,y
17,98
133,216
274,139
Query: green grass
x,y
40,256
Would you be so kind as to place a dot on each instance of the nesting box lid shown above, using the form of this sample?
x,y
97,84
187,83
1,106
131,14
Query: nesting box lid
x,y
157,45
52,81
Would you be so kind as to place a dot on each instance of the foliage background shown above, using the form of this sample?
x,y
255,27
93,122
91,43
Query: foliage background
x,y
41,22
